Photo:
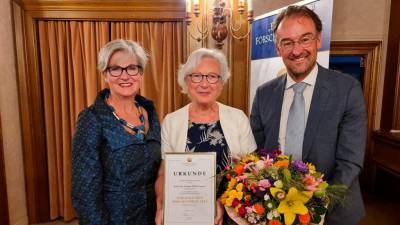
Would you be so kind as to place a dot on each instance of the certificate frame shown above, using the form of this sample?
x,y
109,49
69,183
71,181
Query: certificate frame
x,y
189,188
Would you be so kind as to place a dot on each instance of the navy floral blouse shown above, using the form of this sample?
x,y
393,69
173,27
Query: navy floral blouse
x,y
209,137
113,172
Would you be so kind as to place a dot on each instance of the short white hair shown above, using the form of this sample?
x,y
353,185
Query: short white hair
x,y
129,46
194,60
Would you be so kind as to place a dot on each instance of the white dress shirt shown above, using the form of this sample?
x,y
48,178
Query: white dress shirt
x,y
288,99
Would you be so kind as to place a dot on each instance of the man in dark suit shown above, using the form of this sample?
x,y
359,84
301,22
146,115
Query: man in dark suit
x,y
333,120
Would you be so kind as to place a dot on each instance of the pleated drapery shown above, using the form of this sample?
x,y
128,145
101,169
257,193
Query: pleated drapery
x,y
163,41
67,52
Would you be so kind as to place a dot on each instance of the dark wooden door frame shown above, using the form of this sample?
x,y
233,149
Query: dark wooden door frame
x,y
4,216
371,52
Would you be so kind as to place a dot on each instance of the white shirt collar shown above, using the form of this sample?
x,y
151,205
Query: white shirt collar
x,y
310,78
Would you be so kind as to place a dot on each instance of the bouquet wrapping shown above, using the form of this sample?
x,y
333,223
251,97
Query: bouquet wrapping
x,y
269,188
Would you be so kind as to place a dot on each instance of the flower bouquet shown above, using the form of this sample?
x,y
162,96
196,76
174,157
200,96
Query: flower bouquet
x,y
272,189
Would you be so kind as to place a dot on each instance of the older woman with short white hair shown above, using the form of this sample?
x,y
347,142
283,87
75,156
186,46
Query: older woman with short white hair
x,y
116,147
205,124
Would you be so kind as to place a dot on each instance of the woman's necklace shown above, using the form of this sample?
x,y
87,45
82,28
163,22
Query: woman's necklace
x,y
139,129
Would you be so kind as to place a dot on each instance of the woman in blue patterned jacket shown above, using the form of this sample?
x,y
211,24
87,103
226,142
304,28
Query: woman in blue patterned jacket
x,y
116,147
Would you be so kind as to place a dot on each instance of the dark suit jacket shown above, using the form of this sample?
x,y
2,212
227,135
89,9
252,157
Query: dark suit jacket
x,y
334,138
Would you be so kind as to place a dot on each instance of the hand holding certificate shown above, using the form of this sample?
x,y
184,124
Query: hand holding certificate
x,y
189,191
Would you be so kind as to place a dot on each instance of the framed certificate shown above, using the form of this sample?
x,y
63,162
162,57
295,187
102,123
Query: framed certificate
x,y
189,188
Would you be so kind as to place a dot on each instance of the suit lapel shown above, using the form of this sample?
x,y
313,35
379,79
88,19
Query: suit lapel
x,y
318,103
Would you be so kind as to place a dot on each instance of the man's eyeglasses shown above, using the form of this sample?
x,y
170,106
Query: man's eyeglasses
x,y
305,42
212,78
131,70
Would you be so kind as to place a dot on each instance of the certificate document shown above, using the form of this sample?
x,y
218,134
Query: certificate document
x,y
189,188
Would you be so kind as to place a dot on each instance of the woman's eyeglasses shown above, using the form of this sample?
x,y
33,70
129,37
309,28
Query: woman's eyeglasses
x,y
211,78
131,70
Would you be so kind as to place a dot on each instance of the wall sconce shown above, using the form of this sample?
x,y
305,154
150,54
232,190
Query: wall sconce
x,y
222,20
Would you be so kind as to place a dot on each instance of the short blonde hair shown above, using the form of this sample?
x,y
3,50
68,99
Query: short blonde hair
x,y
129,46
194,60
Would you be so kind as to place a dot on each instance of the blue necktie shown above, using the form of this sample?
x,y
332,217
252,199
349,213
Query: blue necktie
x,y
296,123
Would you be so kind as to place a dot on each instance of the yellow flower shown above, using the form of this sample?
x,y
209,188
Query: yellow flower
x,y
278,184
277,193
250,158
239,187
311,168
293,203
231,184
223,198
232,194
281,157
237,207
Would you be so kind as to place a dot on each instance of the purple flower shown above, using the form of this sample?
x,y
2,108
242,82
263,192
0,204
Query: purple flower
x,y
275,153
263,152
260,193
299,166
271,180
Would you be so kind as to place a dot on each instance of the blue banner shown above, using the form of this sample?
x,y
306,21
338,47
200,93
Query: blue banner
x,y
263,39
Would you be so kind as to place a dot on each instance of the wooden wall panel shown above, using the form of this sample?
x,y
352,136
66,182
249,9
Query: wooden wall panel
x,y
33,133
389,90
4,217
137,10
236,91
240,80
396,117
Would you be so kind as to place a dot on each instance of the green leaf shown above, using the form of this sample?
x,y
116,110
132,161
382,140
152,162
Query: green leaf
x,y
286,174
323,185
316,218
320,210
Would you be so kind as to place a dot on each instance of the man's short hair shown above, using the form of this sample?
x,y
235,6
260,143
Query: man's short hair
x,y
297,11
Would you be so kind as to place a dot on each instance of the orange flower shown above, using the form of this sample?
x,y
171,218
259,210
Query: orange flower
x,y
247,197
239,169
274,222
308,179
260,210
223,198
305,219
282,163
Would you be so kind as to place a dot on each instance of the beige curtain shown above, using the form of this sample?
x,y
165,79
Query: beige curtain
x,y
70,82
67,51
163,41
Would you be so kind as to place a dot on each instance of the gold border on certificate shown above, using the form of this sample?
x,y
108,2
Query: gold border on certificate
x,y
189,188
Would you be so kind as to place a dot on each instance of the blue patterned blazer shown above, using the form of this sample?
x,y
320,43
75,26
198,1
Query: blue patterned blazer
x,y
334,138
113,173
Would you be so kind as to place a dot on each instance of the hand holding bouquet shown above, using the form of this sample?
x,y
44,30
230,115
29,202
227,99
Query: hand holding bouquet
x,y
270,188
